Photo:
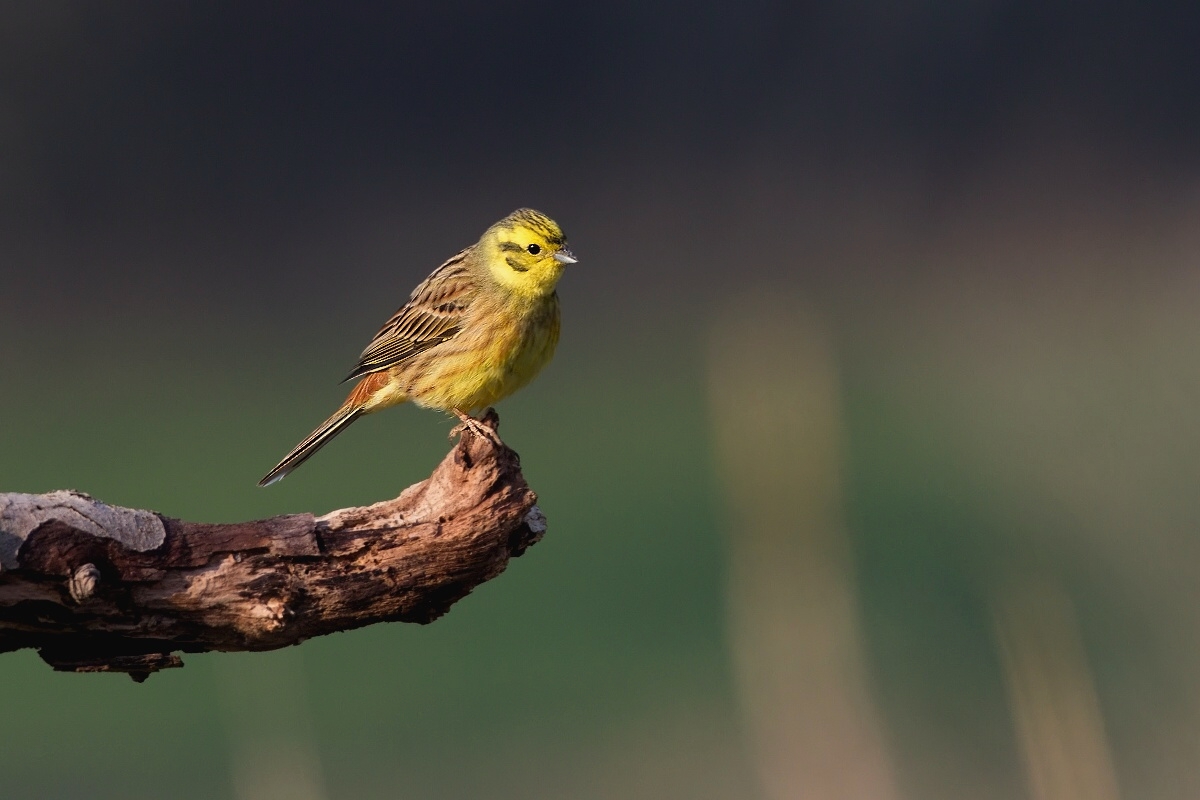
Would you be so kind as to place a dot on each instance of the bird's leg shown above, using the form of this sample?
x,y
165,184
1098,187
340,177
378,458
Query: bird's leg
x,y
469,423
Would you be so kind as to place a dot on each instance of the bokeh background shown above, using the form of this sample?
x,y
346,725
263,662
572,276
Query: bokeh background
x,y
870,451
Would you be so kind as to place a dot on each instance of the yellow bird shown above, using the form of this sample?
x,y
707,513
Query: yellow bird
x,y
481,326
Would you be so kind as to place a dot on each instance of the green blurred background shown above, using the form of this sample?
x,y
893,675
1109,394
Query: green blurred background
x,y
869,453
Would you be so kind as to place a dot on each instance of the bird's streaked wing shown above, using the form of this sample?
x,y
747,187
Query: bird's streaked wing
x,y
433,315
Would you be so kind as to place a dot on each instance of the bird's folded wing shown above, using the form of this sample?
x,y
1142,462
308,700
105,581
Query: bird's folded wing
x,y
433,315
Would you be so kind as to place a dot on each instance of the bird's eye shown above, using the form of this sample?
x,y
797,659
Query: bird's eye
x,y
533,249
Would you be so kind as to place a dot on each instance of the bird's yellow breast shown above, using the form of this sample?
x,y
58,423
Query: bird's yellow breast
x,y
499,350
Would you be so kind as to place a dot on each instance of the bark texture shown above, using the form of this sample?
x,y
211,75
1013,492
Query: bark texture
x,y
102,589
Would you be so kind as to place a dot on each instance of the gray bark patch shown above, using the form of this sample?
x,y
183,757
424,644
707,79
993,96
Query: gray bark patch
x,y
21,514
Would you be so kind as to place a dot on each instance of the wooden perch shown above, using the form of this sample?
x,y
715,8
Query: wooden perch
x,y
101,589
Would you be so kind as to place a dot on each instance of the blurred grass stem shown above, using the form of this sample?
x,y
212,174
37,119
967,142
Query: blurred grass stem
x,y
793,624
1056,714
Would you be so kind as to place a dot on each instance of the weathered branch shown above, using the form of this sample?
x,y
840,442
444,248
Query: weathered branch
x,y
97,588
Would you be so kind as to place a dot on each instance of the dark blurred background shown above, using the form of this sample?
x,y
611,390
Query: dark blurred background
x,y
869,453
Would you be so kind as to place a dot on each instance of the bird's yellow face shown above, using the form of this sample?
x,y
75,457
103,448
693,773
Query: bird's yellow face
x,y
526,253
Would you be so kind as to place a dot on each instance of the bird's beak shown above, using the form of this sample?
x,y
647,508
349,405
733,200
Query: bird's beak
x,y
565,256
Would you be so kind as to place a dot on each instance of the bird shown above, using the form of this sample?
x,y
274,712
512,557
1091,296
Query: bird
x,y
480,327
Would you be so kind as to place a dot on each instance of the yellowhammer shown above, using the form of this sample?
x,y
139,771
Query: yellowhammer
x,y
481,326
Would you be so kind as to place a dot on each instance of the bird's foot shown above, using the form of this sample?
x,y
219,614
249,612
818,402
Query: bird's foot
x,y
469,423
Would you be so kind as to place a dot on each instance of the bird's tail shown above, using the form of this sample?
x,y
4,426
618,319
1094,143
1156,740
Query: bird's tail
x,y
330,428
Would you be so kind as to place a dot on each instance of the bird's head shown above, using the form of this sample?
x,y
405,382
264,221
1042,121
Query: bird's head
x,y
526,253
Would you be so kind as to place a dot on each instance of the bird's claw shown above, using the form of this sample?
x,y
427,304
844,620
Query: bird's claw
x,y
468,423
